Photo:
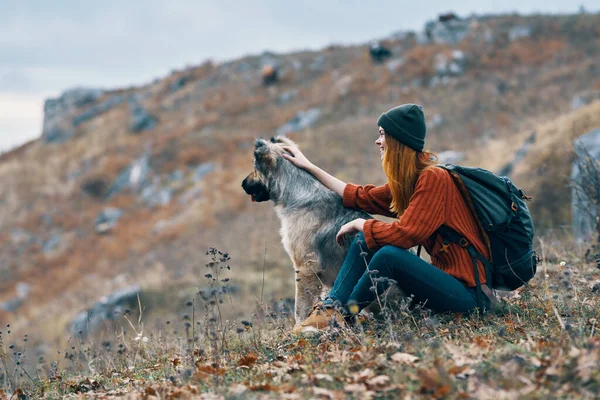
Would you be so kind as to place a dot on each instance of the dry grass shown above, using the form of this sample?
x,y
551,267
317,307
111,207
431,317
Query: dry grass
x,y
215,117
541,342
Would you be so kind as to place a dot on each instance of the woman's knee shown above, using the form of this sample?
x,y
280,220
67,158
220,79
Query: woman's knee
x,y
392,258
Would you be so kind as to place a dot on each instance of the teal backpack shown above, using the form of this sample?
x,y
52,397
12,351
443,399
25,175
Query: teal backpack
x,y
503,215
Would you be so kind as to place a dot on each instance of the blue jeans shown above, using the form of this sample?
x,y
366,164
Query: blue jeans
x,y
439,291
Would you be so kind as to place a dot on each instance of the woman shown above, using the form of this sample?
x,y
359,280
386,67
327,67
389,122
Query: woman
x,y
422,197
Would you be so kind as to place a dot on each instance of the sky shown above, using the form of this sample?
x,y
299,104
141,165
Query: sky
x,y
47,47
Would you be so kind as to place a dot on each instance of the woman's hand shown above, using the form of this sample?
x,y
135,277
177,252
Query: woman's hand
x,y
348,229
297,158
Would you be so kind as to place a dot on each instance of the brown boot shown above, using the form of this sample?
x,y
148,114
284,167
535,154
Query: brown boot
x,y
320,318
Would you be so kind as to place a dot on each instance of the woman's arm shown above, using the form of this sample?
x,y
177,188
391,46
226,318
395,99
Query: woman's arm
x,y
369,198
300,161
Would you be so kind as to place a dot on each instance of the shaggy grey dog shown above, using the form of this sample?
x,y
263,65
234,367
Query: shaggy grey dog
x,y
310,215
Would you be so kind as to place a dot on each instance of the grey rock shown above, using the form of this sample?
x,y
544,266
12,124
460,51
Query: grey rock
x,y
518,32
452,65
190,195
394,64
287,96
447,32
179,83
98,109
202,170
451,157
57,126
584,98
156,196
107,220
23,290
52,243
585,185
436,121
134,177
57,134
301,121
19,236
297,65
318,65
176,175
140,118
11,305
108,308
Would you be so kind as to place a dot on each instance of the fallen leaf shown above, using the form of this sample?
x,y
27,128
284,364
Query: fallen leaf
x,y
326,393
364,375
248,360
378,382
355,388
404,358
176,361
264,386
323,377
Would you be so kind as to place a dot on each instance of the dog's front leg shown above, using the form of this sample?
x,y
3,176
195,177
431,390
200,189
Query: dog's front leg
x,y
308,289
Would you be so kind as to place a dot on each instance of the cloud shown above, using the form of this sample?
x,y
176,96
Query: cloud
x,y
21,118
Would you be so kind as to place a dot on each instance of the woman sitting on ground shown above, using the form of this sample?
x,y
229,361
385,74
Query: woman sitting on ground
x,y
423,198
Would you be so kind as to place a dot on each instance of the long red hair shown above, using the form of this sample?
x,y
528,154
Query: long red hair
x,y
403,165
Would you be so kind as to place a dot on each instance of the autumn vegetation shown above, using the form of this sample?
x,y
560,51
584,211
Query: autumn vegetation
x,y
540,343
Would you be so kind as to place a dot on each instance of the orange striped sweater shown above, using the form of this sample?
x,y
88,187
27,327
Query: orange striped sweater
x,y
436,201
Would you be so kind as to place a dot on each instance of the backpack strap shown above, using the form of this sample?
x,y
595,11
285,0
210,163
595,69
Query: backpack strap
x,y
449,234
419,251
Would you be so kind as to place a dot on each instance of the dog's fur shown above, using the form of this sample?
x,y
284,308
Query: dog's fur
x,y
310,215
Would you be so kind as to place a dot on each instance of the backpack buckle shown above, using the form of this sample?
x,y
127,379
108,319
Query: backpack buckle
x,y
514,207
463,242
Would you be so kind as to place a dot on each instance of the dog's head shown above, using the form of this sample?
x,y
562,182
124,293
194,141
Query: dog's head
x,y
267,162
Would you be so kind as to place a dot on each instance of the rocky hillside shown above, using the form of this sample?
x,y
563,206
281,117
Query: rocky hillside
x,y
127,189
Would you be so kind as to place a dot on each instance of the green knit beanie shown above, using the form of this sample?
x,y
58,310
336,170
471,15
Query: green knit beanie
x,y
406,124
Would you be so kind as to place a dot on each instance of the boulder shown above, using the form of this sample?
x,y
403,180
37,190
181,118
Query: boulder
x,y
52,243
450,65
287,96
107,220
585,186
584,98
108,308
134,177
451,31
518,32
156,196
451,157
140,118
58,126
11,305
301,121
97,109
202,170
318,65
